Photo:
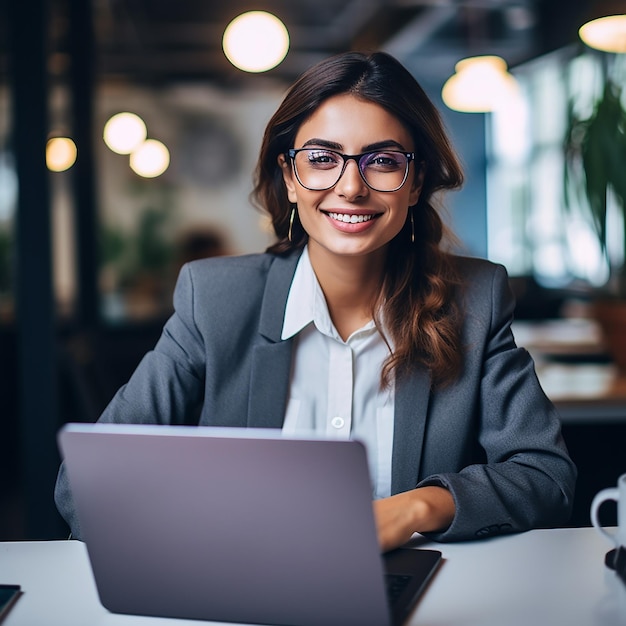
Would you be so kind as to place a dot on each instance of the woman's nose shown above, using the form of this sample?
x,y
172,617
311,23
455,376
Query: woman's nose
x,y
351,184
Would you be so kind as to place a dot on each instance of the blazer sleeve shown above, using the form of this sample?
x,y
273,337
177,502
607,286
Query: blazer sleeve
x,y
166,387
528,478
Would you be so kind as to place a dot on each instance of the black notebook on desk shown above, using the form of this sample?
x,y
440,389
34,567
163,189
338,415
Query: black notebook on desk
x,y
235,525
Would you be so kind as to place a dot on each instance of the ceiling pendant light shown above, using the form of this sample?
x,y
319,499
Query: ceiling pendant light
x,y
255,41
606,27
479,85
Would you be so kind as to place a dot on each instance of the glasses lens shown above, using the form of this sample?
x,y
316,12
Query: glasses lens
x,y
384,171
318,169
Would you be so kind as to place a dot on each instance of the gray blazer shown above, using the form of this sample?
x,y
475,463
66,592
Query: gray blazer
x,y
492,437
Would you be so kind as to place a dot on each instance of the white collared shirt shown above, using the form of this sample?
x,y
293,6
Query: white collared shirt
x,y
334,390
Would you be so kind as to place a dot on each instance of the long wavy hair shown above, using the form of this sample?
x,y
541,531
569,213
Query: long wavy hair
x,y
420,313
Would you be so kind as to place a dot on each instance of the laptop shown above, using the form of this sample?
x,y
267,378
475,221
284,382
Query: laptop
x,y
235,525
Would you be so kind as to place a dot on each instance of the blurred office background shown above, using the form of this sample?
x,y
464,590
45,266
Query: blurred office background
x,y
92,237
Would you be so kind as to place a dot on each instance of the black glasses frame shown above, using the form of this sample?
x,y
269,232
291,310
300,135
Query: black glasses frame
x,y
410,156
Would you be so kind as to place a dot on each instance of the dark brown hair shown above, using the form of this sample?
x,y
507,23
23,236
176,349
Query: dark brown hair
x,y
419,311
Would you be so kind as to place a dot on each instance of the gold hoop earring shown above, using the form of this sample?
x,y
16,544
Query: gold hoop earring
x,y
412,228
291,218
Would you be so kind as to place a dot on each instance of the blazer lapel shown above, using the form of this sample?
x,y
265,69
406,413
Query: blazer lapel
x,y
411,407
271,359
269,385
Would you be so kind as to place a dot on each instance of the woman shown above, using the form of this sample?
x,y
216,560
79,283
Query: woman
x,y
358,322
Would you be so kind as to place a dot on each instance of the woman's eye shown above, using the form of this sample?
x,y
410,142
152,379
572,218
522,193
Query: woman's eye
x,y
383,160
322,158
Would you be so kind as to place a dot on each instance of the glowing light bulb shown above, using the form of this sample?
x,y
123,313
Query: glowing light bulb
x,y
150,159
605,33
479,84
124,132
60,154
255,41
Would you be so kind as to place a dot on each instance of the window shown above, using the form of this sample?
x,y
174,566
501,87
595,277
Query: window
x,y
530,228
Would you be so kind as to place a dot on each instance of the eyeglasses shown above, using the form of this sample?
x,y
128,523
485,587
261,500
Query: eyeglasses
x,y
319,169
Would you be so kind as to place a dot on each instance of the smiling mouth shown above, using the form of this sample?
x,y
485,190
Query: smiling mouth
x,y
351,218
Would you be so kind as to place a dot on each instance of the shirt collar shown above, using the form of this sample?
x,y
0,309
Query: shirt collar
x,y
306,303
303,298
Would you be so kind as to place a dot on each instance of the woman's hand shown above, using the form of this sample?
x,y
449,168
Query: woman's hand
x,y
425,509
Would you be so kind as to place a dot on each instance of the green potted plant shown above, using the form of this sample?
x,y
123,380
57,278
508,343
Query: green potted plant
x,y
595,171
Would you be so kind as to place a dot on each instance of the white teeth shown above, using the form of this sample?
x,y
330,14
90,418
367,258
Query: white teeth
x,y
352,219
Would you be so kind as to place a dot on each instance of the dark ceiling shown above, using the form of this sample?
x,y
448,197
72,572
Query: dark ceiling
x,y
160,41
164,41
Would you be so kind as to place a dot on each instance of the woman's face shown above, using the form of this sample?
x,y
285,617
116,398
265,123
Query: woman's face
x,y
351,219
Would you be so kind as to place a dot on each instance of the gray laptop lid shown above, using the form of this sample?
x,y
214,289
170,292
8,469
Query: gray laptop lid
x,y
227,524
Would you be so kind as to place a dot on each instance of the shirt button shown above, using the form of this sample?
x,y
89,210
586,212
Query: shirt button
x,y
338,422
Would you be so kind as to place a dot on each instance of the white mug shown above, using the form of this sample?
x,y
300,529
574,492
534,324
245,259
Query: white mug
x,y
618,494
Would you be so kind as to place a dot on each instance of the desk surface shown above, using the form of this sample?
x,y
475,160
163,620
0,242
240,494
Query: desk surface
x,y
543,578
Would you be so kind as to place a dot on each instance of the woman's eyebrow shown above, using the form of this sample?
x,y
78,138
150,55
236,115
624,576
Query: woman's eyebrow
x,y
332,145
386,144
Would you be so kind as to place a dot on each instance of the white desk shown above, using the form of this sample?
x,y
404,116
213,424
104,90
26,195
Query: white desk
x,y
539,578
